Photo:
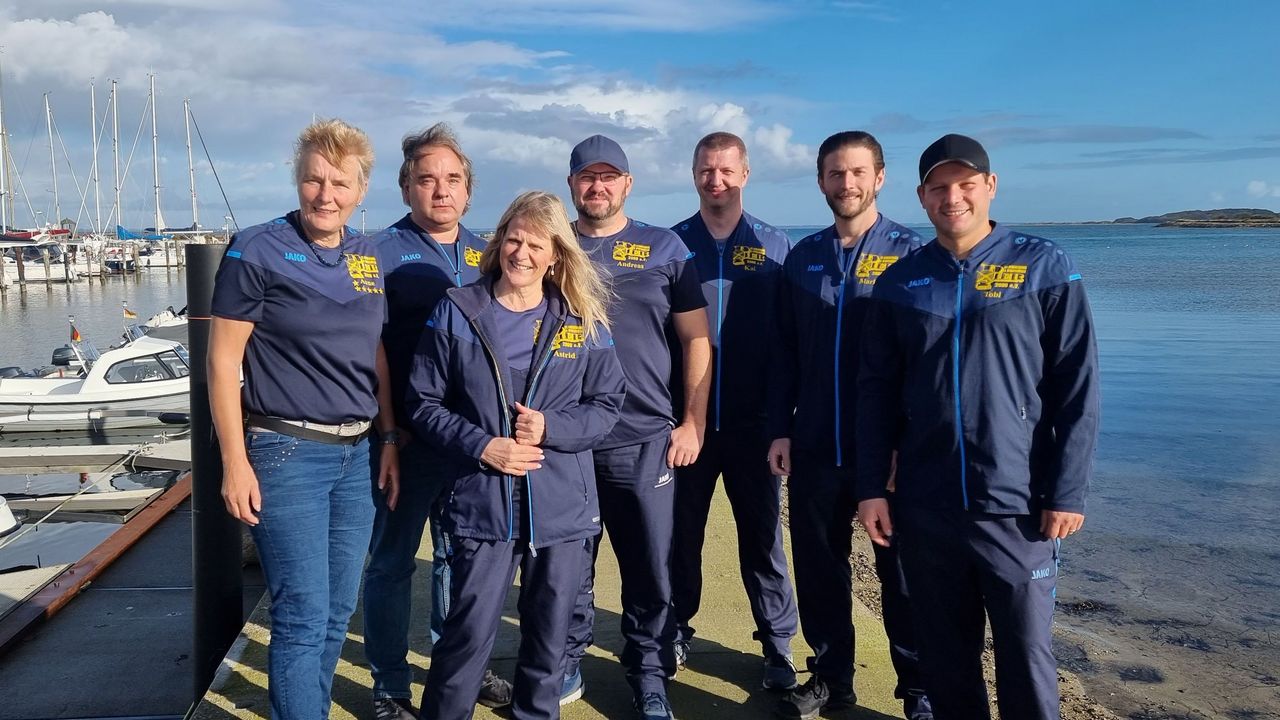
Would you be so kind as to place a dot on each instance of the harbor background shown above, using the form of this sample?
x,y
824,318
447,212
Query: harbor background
x,y
1169,602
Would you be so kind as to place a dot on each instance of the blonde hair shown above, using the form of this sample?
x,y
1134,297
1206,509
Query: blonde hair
x,y
335,141
581,282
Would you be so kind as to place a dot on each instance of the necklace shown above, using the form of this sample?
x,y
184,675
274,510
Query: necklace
x,y
342,254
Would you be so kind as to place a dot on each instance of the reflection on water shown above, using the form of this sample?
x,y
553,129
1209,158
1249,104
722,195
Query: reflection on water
x,y
56,532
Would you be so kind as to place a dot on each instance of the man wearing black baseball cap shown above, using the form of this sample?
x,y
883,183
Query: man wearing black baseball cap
x,y
655,282
989,396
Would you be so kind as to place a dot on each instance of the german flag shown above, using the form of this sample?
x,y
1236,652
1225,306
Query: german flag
x,y
75,334
129,314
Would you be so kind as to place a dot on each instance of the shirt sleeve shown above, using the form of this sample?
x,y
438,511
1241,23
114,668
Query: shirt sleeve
x,y
239,288
686,288
1071,396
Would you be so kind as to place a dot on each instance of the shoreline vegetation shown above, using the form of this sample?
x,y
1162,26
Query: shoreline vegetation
x,y
1223,218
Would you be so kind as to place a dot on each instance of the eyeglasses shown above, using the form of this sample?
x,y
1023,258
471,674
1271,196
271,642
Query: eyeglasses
x,y
606,178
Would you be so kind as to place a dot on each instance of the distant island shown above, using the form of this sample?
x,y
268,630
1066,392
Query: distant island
x,y
1225,218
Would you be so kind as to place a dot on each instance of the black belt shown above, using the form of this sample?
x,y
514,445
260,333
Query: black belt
x,y
286,427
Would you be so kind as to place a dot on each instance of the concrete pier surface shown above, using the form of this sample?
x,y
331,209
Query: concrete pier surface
x,y
721,680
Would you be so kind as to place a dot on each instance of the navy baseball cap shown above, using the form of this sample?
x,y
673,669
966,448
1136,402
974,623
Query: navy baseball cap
x,y
597,149
954,148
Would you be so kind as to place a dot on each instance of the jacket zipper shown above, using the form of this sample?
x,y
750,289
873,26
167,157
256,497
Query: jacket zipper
x,y
844,266
955,379
528,402
719,324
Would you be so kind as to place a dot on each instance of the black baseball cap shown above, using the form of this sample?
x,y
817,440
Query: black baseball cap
x,y
597,149
954,148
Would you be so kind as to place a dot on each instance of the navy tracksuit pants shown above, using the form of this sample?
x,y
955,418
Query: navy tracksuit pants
x,y
637,503
959,566
822,510
482,573
755,496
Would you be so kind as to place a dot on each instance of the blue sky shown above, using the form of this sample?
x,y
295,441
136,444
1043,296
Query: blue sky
x,y
1090,110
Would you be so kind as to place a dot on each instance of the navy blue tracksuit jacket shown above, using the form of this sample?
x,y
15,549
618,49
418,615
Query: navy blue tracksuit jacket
x,y
822,298
983,375
460,398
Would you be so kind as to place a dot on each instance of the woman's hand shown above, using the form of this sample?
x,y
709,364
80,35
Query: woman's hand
x,y
389,473
240,492
510,457
531,426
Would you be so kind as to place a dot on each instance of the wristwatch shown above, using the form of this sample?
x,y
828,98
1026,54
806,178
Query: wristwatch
x,y
390,437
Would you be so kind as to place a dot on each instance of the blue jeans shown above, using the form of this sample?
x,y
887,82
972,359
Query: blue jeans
x,y
393,559
311,536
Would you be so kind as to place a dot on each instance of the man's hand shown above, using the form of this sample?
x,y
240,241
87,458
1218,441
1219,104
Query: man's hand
x,y
240,492
511,458
1056,525
389,473
873,514
780,456
686,443
531,426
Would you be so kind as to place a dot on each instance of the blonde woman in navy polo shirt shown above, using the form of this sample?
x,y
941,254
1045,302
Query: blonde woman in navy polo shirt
x,y
300,302
516,379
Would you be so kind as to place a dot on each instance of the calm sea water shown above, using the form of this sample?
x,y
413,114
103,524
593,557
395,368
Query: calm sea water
x,y
1173,590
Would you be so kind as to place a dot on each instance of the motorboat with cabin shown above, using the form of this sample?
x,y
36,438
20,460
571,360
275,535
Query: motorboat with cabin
x,y
142,383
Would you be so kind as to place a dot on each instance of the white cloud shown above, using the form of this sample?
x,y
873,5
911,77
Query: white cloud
x,y
1262,189
654,15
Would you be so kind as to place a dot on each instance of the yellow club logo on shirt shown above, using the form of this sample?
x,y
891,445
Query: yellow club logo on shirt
x,y
364,273
992,279
471,257
870,266
748,258
630,255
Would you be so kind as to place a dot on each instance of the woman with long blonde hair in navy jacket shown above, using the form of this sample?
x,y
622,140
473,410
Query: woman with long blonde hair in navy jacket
x,y
516,379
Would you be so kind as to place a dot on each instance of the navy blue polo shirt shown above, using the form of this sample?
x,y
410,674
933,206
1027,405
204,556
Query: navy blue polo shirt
x,y
739,281
652,278
418,270
312,354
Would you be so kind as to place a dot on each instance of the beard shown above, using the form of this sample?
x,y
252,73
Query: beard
x,y
849,209
614,207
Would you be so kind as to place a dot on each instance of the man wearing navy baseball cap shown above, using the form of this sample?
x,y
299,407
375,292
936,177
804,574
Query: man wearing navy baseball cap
x,y
988,394
655,283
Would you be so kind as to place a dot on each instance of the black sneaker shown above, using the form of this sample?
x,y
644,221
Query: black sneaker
x,y
811,698
779,673
917,707
494,691
654,706
385,708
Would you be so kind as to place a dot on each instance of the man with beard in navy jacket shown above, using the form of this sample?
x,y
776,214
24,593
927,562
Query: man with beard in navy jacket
x,y
983,379
823,294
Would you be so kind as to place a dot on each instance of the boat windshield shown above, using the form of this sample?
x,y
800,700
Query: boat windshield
x,y
139,370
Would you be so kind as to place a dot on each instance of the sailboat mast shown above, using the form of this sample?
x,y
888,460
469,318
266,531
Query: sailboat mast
x,y
115,151
53,163
155,153
191,168
93,127
4,164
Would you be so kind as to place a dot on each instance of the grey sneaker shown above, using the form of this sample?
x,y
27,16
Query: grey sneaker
x,y
654,706
385,708
681,650
779,673
494,691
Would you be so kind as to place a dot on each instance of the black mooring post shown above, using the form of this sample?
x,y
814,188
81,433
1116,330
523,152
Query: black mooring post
x,y
215,535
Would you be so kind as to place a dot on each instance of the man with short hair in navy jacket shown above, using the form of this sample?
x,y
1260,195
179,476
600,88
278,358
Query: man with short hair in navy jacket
x,y
983,379
823,293
739,259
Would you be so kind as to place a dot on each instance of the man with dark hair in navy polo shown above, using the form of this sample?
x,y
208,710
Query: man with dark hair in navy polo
x,y
824,288
983,377
734,253
425,253
655,284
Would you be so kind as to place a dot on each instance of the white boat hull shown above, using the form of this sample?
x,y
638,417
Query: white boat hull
x,y
37,414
